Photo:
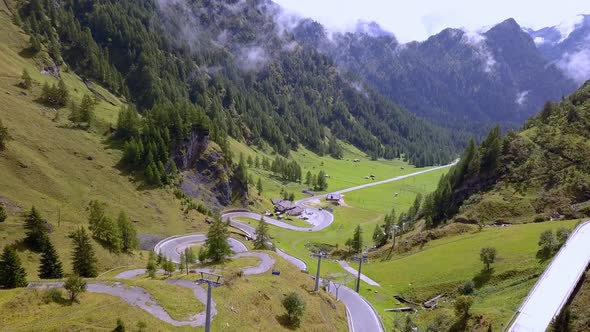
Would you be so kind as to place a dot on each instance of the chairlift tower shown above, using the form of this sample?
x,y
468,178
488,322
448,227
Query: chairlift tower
x,y
319,255
212,280
361,258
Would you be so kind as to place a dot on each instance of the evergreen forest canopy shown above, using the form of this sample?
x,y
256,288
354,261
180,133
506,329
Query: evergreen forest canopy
x,y
225,68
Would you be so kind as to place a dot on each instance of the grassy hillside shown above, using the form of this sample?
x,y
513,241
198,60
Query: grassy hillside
x,y
540,173
59,169
243,304
444,265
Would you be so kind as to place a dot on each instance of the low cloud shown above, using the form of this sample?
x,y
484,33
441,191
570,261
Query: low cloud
x,y
539,41
521,97
576,65
478,42
252,58
566,27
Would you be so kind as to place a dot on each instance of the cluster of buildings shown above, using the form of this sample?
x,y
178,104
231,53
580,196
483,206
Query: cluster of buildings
x,y
287,207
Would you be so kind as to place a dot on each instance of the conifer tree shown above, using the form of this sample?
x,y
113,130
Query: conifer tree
x,y
50,267
152,265
378,236
262,241
26,81
242,171
110,234
216,245
259,186
308,178
189,257
128,123
127,232
35,44
12,274
75,115
83,257
96,214
3,215
37,229
182,265
86,109
75,285
357,240
4,136
389,223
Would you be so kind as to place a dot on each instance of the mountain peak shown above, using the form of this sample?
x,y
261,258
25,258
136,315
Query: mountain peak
x,y
509,25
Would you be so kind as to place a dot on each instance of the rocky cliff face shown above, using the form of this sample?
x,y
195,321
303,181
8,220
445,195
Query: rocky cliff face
x,y
206,174
189,152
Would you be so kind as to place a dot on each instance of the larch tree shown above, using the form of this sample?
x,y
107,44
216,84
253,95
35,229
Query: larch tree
x,y
127,231
75,286
26,81
152,265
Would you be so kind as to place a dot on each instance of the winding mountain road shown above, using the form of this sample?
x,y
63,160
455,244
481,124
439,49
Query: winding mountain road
x,y
556,284
362,316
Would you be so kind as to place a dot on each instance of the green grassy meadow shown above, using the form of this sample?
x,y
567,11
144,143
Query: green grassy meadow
x,y
344,173
243,304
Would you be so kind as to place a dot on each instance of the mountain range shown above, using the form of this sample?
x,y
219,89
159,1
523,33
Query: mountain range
x,y
466,81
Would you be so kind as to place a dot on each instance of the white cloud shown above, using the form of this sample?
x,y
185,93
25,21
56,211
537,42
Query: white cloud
x,y
252,58
478,42
417,20
521,97
567,26
576,65
539,41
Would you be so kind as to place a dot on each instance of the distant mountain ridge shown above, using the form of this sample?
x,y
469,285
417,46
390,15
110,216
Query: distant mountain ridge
x,y
567,45
461,80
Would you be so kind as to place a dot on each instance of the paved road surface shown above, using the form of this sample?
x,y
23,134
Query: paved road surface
x,y
139,297
173,246
376,183
355,272
362,315
556,285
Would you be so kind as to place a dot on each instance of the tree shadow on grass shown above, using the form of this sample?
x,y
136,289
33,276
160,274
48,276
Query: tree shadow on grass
x,y
483,277
543,255
55,295
286,322
460,325
28,52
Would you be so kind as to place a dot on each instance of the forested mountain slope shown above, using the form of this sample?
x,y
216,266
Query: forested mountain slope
x,y
462,80
539,173
238,66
